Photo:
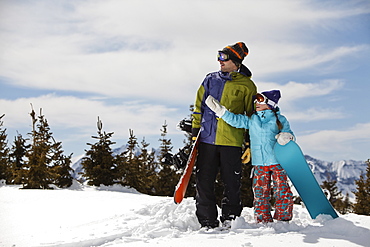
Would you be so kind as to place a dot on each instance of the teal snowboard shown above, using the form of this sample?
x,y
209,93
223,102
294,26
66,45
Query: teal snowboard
x,y
291,158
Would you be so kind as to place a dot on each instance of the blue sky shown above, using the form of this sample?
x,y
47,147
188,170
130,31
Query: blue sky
x,y
137,64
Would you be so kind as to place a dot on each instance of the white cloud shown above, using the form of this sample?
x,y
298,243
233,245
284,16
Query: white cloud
x,y
140,62
338,144
75,113
313,114
131,50
299,57
295,91
296,99
73,120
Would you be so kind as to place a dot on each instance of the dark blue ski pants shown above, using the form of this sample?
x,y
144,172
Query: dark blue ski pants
x,y
211,160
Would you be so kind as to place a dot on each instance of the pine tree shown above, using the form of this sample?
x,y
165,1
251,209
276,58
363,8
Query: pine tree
x,y
61,167
130,169
41,163
137,170
4,153
345,206
336,196
362,205
148,166
342,205
99,164
122,160
167,177
17,162
38,175
165,146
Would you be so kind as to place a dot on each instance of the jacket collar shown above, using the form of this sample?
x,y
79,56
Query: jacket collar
x,y
242,70
245,71
265,115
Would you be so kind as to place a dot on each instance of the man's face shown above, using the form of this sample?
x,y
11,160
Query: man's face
x,y
227,66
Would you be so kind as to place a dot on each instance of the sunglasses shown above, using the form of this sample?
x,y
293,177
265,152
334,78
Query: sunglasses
x,y
223,57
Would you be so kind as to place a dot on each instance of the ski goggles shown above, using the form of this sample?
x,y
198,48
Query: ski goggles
x,y
262,99
223,57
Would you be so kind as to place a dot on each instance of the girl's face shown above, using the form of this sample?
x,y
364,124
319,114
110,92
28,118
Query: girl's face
x,y
261,107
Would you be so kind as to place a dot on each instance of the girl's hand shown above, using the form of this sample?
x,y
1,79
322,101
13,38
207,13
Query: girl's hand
x,y
284,137
215,106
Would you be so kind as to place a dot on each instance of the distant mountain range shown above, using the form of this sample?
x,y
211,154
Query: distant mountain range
x,y
345,172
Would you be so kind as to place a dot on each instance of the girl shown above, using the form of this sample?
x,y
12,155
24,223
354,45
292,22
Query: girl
x,y
265,126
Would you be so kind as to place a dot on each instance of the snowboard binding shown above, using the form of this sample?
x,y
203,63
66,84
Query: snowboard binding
x,y
184,125
179,159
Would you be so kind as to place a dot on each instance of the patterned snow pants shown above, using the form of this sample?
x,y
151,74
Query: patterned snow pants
x,y
262,194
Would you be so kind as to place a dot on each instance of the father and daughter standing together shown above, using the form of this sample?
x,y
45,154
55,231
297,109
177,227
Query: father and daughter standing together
x,y
227,103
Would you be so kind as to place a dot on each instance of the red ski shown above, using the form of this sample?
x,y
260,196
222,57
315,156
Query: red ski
x,y
183,183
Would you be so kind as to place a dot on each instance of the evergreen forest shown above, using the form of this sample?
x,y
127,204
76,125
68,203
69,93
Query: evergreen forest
x,y
38,161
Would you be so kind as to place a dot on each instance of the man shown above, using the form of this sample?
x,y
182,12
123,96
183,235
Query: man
x,y
220,144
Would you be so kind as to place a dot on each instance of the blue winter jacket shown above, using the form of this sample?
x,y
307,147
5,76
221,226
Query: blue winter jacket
x,y
262,130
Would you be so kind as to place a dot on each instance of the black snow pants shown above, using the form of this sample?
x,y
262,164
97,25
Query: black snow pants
x,y
211,160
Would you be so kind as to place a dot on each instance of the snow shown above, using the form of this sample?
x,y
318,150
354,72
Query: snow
x,y
84,216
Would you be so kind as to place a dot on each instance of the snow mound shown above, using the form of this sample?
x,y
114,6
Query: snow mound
x,y
115,216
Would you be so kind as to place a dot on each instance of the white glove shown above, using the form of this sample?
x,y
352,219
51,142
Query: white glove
x,y
215,106
284,137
